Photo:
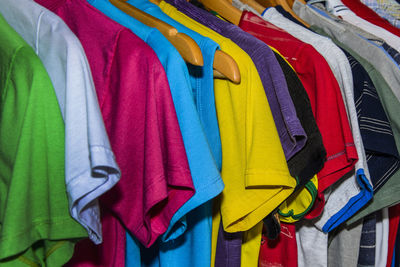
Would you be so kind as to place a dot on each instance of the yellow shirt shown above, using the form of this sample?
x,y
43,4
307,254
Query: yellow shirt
x,y
299,203
254,168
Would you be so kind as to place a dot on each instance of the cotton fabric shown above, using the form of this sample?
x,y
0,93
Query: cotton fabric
x,y
90,166
36,227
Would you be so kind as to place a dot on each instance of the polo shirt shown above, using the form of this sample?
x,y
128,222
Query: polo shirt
x,y
291,133
368,14
90,166
141,124
393,54
36,228
310,159
385,196
389,10
386,65
340,67
337,8
201,162
389,103
375,128
341,153
243,202
304,197
202,165
197,211
229,244
297,205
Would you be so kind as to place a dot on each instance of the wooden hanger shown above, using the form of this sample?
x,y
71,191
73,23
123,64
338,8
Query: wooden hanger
x,y
225,9
286,5
185,45
225,66
255,5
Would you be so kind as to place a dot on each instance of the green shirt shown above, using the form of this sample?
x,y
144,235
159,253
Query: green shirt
x,y
35,226
388,194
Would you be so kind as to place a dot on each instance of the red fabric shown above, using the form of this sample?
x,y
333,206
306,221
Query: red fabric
x,y
394,219
141,122
317,208
281,251
368,14
323,91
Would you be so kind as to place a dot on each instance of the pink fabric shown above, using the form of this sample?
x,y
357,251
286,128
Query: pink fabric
x,y
141,122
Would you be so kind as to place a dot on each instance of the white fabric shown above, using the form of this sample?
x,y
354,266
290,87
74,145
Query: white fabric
x,y
382,239
341,69
337,8
90,167
312,245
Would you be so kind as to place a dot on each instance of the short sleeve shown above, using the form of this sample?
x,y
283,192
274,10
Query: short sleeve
x,y
144,133
33,200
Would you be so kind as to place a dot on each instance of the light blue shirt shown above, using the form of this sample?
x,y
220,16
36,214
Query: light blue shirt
x,y
176,246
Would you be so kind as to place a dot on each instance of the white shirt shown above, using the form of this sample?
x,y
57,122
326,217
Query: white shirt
x,y
90,166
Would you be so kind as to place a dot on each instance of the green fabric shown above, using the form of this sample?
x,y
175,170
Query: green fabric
x,y
34,214
388,194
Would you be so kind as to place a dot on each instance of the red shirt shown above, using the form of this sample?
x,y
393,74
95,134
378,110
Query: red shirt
x,y
142,125
323,91
368,14
281,251
394,219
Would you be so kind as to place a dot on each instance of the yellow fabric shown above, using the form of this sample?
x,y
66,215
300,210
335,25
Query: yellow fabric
x,y
254,168
251,244
298,204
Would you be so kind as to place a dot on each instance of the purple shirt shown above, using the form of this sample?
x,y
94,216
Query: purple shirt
x,y
291,132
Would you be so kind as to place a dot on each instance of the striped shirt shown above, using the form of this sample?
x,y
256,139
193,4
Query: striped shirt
x,y
382,155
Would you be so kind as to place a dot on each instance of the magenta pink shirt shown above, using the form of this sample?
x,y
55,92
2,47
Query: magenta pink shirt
x,y
142,125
